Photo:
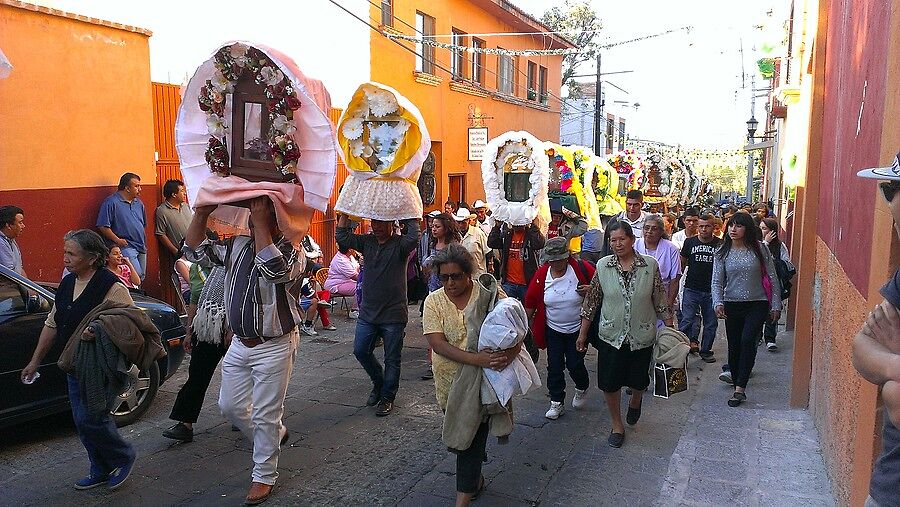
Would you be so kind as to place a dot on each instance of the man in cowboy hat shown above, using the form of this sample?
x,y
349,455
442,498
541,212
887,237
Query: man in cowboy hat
x,y
876,354
473,238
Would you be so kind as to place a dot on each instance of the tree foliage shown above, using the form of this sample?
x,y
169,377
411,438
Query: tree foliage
x,y
575,15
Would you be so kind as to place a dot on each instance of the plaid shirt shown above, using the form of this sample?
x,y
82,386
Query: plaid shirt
x,y
261,289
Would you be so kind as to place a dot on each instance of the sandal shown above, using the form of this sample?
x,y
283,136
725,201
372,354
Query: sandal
x,y
478,491
736,399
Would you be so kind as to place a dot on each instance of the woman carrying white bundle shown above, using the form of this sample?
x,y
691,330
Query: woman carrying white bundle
x,y
451,321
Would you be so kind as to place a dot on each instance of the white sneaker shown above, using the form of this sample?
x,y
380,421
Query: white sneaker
x,y
556,409
772,346
308,330
580,398
354,314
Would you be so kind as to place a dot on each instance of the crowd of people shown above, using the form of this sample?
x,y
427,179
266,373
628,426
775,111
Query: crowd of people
x,y
249,297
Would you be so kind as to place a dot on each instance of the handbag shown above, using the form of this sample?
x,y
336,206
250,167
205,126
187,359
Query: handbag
x,y
668,381
767,285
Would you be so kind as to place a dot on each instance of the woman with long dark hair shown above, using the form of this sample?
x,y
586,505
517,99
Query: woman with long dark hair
x,y
443,232
745,292
622,305
768,227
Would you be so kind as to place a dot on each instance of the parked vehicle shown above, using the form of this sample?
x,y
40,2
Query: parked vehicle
x,y
24,306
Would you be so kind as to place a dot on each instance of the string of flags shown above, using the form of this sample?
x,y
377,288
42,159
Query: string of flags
x,y
521,52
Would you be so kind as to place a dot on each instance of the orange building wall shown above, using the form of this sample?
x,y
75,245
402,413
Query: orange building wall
x,y
445,110
76,114
76,108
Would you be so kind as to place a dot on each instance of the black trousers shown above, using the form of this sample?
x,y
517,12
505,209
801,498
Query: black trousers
x,y
561,356
743,324
204,359
469,462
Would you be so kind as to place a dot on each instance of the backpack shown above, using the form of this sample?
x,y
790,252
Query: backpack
x,y
785,274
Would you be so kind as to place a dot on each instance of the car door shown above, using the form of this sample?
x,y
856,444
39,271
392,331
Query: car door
x,y
22,316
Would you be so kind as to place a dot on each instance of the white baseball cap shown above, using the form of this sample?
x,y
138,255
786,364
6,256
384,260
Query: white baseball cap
x,y
434,213
883,173
480,204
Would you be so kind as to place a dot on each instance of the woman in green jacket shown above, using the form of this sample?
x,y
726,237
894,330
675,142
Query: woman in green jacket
x,y
620,310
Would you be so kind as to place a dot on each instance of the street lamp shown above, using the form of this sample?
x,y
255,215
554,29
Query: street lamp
x,y
751,127
751,132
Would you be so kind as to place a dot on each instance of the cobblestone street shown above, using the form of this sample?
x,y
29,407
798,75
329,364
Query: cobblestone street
x,y
689,450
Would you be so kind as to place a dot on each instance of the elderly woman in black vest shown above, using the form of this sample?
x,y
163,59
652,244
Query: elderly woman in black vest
x,y
87,285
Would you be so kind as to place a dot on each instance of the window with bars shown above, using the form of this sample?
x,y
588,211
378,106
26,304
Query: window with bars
x,y
424,52
478,61
458,56
621,134
387,12
506,74
542,85
532,81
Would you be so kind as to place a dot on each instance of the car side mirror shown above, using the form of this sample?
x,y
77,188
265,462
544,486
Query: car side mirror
x,y
33,304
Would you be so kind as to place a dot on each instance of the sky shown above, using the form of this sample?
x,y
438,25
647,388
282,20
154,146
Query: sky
x,y
689,85
693,87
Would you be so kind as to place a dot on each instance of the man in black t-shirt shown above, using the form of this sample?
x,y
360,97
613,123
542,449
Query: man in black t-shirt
x,y
876,356
697,256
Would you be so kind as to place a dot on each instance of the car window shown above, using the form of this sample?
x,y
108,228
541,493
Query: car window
x,y
11,297
16,298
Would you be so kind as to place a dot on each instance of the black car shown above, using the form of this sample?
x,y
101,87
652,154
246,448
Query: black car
x,y
24,306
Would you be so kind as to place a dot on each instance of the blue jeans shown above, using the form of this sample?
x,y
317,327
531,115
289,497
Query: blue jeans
x,y
138,260
692,301
561,356
514,290
105,447
387,379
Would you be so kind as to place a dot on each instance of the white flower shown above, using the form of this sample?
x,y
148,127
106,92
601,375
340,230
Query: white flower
x,y
353,128
383,103
238,50
270,75
216,126
357,147
220,83
283,125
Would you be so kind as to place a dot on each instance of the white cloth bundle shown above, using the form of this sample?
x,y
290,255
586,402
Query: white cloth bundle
x,y
504,327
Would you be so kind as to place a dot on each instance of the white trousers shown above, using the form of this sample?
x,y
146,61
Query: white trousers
x,y
254,382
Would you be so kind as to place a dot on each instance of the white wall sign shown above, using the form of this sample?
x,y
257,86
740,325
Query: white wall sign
x,y
478,139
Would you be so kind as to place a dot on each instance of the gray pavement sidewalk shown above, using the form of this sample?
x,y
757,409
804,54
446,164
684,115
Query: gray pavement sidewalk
x,y
691,449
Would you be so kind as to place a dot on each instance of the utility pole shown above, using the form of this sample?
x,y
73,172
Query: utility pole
x,y
599,127
749,193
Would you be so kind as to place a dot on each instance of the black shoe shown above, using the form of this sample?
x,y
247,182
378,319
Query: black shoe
x,y
736,399
384,408
374,398
708,357
616,440
695,347
180,432
633,416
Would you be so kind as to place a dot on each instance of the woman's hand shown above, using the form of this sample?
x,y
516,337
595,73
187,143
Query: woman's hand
x,y
720,311
28,371
88,335
483,358
581,343
769,237
775,316
188,346
501,358
582,290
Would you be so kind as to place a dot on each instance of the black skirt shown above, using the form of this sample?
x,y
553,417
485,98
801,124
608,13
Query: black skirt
x,y
622,367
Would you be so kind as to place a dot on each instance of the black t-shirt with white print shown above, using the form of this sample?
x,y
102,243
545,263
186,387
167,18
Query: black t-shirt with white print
x,y
699,266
